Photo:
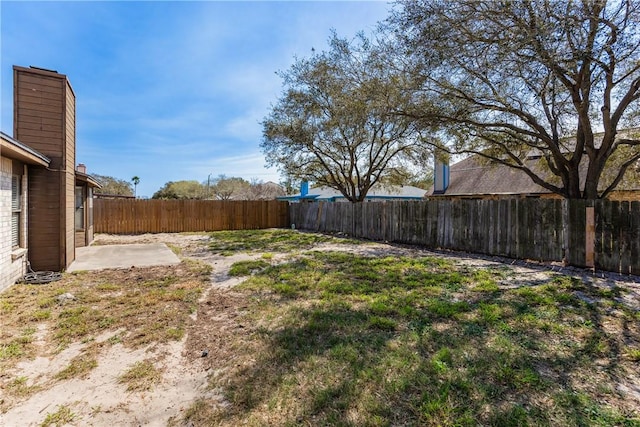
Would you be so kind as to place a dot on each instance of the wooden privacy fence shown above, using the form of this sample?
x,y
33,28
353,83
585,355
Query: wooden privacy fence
x,y
122,216
537,229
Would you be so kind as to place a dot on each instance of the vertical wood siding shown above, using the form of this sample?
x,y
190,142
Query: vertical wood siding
x,y
536,229
122,216
44,119
69,175
44,220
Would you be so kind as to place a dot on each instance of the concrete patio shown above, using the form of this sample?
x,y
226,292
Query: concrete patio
x,y
122,256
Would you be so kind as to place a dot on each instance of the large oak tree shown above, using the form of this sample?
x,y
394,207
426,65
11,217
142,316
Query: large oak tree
x,y
335,123
515,79
112,186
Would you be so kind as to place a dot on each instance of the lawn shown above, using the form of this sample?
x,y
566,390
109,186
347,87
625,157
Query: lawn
x,y
323,331
338,338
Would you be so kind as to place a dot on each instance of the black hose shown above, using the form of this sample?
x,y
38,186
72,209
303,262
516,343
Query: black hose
x,y
40,277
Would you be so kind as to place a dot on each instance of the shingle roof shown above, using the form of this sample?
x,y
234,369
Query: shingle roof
x,y
474,175
477,176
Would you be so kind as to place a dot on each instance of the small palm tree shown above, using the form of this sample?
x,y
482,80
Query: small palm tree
x,y
136,181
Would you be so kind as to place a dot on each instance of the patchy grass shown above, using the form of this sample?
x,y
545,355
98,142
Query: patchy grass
x,y
246,268
150,304
61,417
340,339
79,366
19,387
272,240
142,376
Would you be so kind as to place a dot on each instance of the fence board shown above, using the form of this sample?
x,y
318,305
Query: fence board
x,y
634,237
576,229
122,216
541,229
624,238
526,229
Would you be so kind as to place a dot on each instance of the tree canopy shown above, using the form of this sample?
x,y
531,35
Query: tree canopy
x,y
180,190
227,188
512,80
335,125
112,186
221,188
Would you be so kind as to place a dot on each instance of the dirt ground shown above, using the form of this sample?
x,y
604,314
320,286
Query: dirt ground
x,y
187,365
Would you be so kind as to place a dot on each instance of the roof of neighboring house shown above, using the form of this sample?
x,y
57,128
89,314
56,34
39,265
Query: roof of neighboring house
x,y
406,192
478,176
14,149
475,176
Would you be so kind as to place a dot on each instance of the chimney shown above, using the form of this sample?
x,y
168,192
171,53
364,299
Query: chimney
x,y
441,173
81,168
304,188
46,97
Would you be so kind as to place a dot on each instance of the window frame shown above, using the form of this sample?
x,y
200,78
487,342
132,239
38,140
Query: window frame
x,y
79,209
16,211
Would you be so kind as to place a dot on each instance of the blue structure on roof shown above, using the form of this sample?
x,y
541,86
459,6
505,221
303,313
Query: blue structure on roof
x,y
377,193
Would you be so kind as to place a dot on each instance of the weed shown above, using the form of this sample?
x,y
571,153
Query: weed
x,y
490,313
382,323
200,413
175,249
11,350
78,367
40,315
107,287
141,376
19,387
633,354
246,268
6,307
61,417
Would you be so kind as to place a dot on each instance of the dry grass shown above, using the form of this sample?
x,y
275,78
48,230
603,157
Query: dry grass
x,y
142,376
147,306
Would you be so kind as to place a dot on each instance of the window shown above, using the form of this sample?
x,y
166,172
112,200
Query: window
x,y
79,208
16,209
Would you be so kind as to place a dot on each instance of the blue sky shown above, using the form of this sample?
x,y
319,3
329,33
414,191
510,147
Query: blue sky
x,y
171,90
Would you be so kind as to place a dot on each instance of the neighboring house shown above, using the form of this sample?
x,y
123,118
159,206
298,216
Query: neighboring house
x,y
376,193
477,178
42,192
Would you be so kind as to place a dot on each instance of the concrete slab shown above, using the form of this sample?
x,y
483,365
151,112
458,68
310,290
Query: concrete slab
x,y
122,256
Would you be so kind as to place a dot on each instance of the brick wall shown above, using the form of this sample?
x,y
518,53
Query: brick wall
x,y
12,263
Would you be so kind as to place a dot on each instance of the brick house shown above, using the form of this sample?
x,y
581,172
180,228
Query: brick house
x,y
46,204
16,160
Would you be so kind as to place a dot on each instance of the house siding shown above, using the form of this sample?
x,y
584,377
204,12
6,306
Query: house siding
x,y
69,175
44,119
45,215
13,264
